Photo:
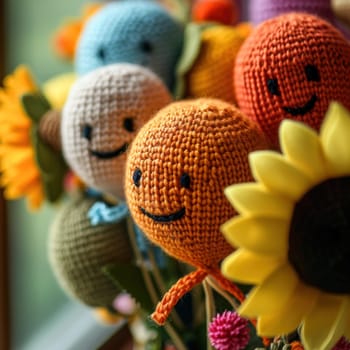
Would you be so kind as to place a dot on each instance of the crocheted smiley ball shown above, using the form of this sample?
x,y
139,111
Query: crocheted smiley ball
x,y
102,115
292,67
78,251
139,32
177,168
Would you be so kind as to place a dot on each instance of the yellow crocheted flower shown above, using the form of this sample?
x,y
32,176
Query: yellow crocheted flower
x,y
19,173
293,234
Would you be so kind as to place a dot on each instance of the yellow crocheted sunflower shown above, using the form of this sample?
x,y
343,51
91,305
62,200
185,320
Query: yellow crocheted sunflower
x,y
20,175
293,233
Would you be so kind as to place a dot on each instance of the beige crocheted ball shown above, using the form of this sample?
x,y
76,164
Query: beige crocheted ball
x,y
102,115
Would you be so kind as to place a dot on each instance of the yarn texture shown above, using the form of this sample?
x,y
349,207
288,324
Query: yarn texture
x,y
139,32
103,113
292,67
211,73
229,331
78,251
50,129
177,167
262,10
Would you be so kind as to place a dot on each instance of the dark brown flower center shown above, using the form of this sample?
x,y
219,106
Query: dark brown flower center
x,y
319,237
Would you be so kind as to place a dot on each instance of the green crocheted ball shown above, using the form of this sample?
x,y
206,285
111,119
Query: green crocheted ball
x,y
78,251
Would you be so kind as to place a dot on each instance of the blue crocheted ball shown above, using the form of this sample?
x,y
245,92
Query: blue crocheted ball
x,y
139,32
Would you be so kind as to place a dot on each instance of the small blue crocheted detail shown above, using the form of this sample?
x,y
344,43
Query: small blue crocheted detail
x,y
101,213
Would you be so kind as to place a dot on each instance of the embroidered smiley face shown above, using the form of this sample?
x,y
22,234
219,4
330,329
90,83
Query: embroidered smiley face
x,y
104,111
312,74
185,181
177,168
292,66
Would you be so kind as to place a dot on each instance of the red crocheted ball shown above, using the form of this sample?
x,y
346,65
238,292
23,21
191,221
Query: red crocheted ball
x,y
292,66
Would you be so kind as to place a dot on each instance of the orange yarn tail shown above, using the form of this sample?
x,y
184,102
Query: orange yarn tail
x,y
228,285
175,293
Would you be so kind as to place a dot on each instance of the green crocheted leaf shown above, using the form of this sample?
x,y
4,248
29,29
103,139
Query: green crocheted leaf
x,y
190,52
51,165
35,105
129,277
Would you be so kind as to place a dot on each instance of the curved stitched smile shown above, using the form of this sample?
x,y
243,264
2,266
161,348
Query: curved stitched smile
x,y
112,154
164,218
308,106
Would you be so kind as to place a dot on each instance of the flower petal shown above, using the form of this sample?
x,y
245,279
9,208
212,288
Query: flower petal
x,y
254,199
278,175
35,197
241,266
335,139
326,322
290,315
272,294
303,148
259,234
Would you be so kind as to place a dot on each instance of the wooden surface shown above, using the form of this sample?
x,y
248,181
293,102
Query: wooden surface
x,y
4,285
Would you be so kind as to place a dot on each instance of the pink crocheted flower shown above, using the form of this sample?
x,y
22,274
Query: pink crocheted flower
x,y
228,331
343,344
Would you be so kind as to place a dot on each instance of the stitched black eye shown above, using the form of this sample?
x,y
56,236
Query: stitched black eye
x,y
146,46
86,132
101,54
128,124
272,85
312,73
136,177
185,180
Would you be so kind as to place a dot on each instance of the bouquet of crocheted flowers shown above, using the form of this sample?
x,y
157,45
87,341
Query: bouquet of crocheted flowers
x,y
222,217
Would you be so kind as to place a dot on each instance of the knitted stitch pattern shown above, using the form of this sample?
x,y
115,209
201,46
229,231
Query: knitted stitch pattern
x,y
178,166
103,113
139,32
292,66
261,10
185,157
211,74
78,251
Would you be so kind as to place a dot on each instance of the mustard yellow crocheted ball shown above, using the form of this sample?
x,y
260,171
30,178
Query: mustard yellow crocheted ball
x,y
211,73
